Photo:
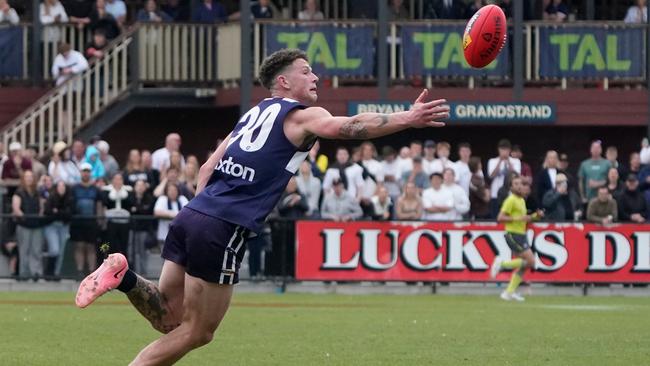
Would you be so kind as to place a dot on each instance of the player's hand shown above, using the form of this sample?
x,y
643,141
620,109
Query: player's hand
x,y
428,114
540,214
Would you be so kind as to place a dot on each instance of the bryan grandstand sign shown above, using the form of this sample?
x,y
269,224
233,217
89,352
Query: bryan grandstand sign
x,y
425,251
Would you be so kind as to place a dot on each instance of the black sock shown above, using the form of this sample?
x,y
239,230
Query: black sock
x,y
128,281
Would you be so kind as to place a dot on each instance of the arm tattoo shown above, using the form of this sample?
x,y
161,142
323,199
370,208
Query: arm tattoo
x,y
357,128
152,304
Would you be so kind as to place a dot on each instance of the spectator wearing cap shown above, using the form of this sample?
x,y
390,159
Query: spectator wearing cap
x,y
461,200
392,174
60,167
338,205
84,229
437,201
416,175
593,172
110,164
498,169
602,209
38,168
461,166
429,157
526,171
557,202
631,202
546,178
350,174
16,164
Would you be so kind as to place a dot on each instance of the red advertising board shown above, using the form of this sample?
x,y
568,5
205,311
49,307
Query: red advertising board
x,y
427,251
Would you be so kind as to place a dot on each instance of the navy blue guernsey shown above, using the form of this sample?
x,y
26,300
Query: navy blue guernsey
x,y
255,168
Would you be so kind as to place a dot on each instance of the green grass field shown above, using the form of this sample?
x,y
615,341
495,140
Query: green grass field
x,y
46,329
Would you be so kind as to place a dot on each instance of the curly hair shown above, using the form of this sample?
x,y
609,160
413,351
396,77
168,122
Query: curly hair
x,y
276,63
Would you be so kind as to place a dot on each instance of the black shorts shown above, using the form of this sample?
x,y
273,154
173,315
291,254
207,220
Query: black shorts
x,y
517,242
208,248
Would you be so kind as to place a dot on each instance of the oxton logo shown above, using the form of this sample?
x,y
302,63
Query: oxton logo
x,y
236,170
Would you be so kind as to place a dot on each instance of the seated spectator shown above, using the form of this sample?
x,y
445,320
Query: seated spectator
x,y
614,184
631,202
110,164
44,186
444,9
417,175
397,11
382,205
151,13
310,187
292,203
97,167
29,230
311,11
557,203
52,13
117,9
602,209
391,172
167,207
178,10
8,14
67,64
172,176
58,210
262,10
338,205
479,193
209,12
14,166
461,200
637,13
102,19
78,11
61,168
141,228
437,201
409,205
95,48
556,11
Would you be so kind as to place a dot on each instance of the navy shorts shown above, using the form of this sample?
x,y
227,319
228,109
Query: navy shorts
x,y
517,242
209,248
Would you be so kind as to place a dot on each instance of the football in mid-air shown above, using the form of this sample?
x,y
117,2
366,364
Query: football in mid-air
x,y
485,36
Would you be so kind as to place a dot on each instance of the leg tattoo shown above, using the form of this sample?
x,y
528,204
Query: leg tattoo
x,y
153,305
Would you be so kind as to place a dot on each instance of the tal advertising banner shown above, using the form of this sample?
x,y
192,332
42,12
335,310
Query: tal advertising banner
x,y
425,251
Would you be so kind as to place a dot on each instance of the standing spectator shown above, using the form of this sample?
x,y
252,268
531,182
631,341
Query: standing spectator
x,y
631,202
614,185
14,167
444,9
415,148
429,158
351,175
84,229
498,169
67,64
79,12
563,167
644,154
190,178
92,158
310,187
417,175
397,11
8,14
58,210
338,205
292,203
557,202
78,153
160,157
152,174
437,201
61,168
382,205
461,167
209,11
556,11
611,154
368,162
141,228
172,176
118,201
37,167
409,205
637,13
546,178
311,11
262,10
633,167
95,48
29,230
404,160
461,200
167,207
117,9
391,171
479,193
100,18
592,173
178,10
52,13
108,161
151,13
526,171
602,209
319,162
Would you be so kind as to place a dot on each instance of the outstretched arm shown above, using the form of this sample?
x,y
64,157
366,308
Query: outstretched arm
x,y
318,121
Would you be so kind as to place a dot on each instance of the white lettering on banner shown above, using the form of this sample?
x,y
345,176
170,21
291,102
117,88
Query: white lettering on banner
x,y
380,108
555,250
457,250
369,250
500,111
333,251
641,252
410,249
598,241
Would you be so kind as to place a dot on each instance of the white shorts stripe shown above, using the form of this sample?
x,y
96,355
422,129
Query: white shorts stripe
x,y
227,253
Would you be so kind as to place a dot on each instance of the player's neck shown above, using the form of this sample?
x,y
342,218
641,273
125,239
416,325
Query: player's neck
x,y
282,94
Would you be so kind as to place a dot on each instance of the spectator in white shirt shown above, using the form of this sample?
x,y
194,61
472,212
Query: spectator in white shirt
x,y
442,162
461,167
8,14
415,148
67,64
644,154
404,161
461,199
498,168
51,14
338,205
437,201
117,9
368,154
311,11
637,13
160,157
352,176
310,187
382,205
167,207
429,156
391,171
